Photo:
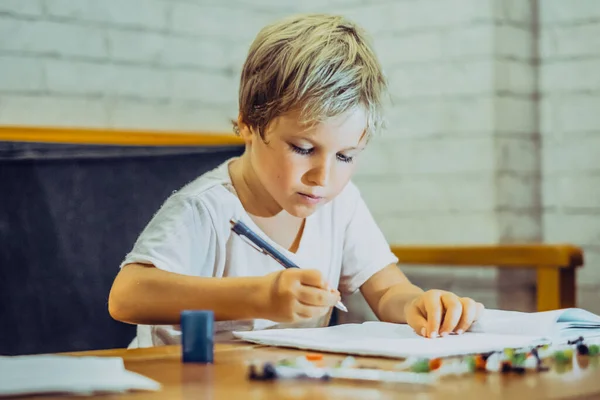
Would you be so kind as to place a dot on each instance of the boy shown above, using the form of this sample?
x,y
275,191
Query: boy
x,y
310,98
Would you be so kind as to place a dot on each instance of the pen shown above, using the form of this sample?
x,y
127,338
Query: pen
x,y
262,246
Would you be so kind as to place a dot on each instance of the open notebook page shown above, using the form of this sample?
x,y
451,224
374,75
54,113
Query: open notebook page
x,y
384,339
554,325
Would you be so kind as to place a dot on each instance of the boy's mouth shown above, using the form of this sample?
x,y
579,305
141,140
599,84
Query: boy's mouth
x,y
311,198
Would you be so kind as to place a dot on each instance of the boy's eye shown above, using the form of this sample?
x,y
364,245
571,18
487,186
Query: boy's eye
x,y
304,151
343,158
301,150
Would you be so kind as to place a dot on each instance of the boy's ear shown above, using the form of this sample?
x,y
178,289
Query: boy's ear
x,y
244,131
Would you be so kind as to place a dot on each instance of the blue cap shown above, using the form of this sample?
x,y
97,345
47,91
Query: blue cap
x,y
197,336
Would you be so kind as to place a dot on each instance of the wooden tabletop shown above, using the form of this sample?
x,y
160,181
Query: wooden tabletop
x,y
227,379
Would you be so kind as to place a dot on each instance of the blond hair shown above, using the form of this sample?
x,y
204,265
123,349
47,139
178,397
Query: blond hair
x,y
320,65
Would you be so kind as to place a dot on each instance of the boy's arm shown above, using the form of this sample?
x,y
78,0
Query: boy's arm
x,y
144,294
393,298
387,292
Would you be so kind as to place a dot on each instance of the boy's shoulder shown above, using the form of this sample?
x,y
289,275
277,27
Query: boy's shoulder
x,y
213,189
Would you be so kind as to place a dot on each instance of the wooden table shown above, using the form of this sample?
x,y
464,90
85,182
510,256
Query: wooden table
x,y
227,379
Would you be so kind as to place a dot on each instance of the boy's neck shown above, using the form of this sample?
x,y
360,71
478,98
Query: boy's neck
x,y
252,194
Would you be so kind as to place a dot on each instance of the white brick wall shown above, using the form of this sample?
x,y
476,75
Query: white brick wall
x,y
570,127
164,62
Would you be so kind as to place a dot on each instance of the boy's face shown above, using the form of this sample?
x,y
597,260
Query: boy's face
x,y
302,167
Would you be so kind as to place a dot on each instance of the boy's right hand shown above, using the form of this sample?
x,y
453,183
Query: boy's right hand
x,y
295,295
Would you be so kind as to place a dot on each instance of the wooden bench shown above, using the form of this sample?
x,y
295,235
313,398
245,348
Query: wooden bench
x,y
555,265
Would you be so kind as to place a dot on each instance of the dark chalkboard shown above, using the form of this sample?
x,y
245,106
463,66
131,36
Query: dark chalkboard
x,y
68,216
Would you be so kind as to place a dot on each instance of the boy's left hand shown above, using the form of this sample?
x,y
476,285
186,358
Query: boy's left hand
x,y
438,313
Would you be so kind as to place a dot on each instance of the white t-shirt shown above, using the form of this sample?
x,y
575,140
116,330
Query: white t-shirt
x,y
191,235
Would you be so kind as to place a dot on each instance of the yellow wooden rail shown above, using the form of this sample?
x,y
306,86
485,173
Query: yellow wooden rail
x,y
118,137
555,265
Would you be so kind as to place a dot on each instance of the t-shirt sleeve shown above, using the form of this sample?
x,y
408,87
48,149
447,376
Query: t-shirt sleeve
x,y
180,238
366,251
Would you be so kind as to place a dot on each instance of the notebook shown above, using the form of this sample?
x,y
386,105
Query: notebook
x,y
495,331
37,374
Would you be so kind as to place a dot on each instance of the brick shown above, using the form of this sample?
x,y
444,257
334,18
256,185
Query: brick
x,y
513,42
132,13
580,229
515,115
426,14
22,7
208,87
398,50
517,155
569,41
458,279
447,193
563,115
431,156
106,79
516,191
550,194
575,155
455,78
589,274
145,47
53,38
549,119
442,116
519,296
236,56
175,115
520,226
218,21
559,11
20,74
467,78
514,11
407,82
199,52
570,75
467,41
52,111
576,190
374,18
446,228
515,77
588,297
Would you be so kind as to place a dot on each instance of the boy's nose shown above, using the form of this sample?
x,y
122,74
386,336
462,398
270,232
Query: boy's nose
x,y
319,176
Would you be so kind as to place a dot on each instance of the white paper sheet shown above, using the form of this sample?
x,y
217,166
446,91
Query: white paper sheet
x,y
496,330
63,374
385,340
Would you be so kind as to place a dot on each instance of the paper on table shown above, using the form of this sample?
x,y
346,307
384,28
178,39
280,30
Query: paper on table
x,y
23,375
555,325
385,340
